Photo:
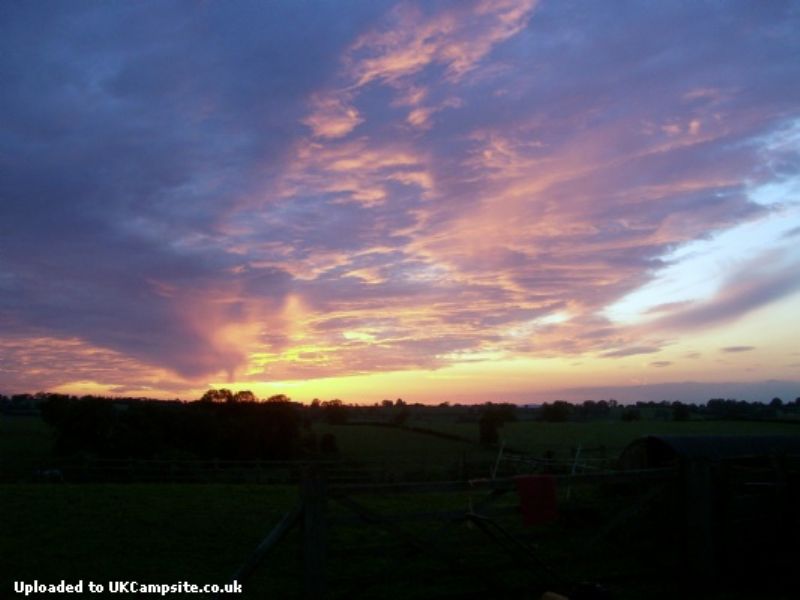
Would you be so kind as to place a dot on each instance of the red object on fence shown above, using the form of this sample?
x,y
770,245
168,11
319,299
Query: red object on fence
x,y
537,495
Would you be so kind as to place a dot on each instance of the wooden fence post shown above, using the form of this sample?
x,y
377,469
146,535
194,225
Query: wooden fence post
x,y
313,492
699,498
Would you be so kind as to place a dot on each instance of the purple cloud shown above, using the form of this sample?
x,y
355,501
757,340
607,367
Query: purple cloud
x,y
631,351
763,280
303,190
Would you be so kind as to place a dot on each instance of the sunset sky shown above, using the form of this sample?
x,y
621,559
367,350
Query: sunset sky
x,y
440,201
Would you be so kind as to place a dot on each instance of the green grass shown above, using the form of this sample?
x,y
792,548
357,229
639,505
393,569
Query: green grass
x,y
536,437
202,533
25,443
386,446
27,440
149,533
24,437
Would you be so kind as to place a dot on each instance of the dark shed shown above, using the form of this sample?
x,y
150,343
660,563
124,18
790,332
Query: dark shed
x,y
655,451
734,494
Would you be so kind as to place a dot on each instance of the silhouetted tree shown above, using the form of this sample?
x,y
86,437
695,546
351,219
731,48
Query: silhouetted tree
x,y
592,410
244,396
335,412
147,429
631,414
488,425
328,445
558,411
209,396
278,398
680,411
401,415
493,416
221,395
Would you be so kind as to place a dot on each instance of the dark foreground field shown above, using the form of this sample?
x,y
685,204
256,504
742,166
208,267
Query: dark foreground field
x,y
621,536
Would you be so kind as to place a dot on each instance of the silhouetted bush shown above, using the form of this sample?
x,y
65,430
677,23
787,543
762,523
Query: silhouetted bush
x,y
680,412
328,445
631,414
556,412
224,429
335,412
488,426
401,415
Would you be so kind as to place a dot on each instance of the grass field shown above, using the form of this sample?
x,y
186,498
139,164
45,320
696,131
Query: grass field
x,y
149,533
536,437
202,533
164,533
25,442
406,452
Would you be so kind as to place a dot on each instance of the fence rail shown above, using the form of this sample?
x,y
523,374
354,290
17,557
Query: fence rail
x,y
312,517
90,469
499,484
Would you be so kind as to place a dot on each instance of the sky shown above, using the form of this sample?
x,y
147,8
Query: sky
x,y
461,201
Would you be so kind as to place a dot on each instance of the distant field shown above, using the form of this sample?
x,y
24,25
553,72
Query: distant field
x,y
27,441
536,437
385,445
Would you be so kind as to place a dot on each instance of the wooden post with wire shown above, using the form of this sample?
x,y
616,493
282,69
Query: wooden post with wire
x,y
313,493
499,458
698,482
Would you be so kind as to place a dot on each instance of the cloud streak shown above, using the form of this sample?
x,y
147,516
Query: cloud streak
x,y
758,283
300,191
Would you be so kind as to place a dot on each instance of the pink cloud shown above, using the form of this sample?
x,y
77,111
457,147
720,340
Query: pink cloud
x,y
457,39
331,116
435,182
761,281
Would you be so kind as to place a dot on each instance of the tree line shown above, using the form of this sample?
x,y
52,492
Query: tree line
x,y
715,408
237,425
241,429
